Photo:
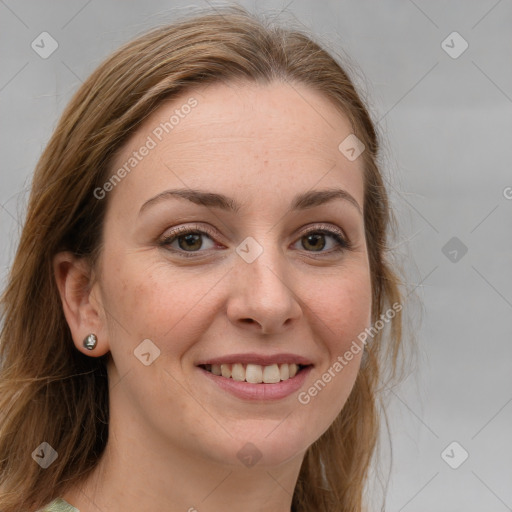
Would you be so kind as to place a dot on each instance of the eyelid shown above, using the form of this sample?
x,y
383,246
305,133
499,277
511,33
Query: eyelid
x,y
199,228
329,228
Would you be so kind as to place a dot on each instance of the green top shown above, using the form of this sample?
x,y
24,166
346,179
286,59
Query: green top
x,y
59,505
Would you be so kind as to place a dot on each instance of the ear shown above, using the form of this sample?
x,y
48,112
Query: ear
x,y
81,302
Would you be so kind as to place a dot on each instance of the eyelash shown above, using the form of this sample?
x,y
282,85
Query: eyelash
x,y
343,243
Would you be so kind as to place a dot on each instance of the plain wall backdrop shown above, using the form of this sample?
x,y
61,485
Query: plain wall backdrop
x,y
438,80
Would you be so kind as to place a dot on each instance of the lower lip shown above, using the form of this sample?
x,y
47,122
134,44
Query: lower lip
x,y
261,392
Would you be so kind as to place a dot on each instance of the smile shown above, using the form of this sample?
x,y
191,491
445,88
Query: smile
x,y
294,377
255,373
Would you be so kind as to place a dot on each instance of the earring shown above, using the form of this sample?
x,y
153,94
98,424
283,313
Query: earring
x,y
90,342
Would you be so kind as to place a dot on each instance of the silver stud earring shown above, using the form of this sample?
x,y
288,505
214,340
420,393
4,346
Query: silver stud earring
x,y
90,342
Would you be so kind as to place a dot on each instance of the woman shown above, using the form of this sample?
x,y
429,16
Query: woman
x,y
196,309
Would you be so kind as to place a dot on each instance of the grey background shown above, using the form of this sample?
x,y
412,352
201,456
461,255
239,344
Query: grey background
x,y
448,152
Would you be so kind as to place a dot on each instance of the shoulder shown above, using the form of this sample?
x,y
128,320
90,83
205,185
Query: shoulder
x,y
59,505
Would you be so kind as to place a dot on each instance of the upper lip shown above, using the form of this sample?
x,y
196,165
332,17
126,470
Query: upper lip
x,y
260,359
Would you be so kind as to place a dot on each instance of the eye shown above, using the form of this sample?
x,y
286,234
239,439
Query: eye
x,y
317,239
187,239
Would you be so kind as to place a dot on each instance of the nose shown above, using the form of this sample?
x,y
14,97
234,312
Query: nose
x,y
262,295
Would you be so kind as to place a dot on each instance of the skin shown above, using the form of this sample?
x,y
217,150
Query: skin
x,y
174,436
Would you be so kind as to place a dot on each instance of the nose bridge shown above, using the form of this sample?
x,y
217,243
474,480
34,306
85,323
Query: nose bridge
x,y
261,289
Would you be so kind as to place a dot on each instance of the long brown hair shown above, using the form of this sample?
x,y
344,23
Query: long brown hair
x,y
51,392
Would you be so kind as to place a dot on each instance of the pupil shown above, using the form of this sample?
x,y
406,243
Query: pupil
x,y
316,238
192,241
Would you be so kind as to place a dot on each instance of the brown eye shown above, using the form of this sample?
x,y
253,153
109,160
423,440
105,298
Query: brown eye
x,y
314,242
187,240
192,241
319,239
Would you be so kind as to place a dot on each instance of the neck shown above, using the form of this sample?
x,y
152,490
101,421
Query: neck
x,y
140,473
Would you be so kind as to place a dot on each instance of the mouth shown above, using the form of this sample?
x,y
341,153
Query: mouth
x,y
253,382
255,373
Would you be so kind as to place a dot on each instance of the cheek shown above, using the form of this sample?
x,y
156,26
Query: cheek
x,y
152,303
343,306
342,310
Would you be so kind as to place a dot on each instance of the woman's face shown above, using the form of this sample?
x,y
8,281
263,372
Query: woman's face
x,y
256,275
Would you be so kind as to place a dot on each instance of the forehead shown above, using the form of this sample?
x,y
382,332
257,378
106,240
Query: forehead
x,y
273,137
276,117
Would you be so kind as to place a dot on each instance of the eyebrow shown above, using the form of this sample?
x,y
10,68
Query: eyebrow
x,y
302,201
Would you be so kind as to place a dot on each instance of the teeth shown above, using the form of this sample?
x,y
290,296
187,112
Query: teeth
x,y
271,374
225,370
255,373
238,372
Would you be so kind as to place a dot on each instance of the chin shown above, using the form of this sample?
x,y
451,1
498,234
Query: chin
x,y
268,444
